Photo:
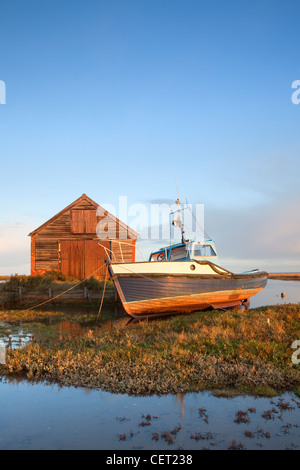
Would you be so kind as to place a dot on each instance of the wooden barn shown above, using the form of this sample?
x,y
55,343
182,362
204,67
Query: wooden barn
x,y
69,241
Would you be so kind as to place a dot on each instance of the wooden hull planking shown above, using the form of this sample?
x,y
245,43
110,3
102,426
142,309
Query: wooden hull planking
x,y
160,295
186,304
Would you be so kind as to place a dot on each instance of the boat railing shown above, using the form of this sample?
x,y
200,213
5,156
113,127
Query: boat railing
x,y
107,250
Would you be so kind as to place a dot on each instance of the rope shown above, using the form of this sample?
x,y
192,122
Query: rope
x,y
198,224
62,293
123,243
100,308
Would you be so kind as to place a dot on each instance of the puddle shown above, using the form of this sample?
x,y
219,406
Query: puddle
x,y
42,416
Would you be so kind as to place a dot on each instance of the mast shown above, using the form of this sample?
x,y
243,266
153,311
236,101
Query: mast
x,y
178,222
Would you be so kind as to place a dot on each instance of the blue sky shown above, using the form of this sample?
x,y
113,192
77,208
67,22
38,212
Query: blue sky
x,y
107,98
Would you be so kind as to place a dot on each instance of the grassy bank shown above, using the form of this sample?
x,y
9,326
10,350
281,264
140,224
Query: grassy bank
x,y
52,279
205,350
53,288
73,313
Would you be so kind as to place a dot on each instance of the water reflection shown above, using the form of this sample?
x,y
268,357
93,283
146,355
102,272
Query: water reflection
x,y
180,398
271,295
42,416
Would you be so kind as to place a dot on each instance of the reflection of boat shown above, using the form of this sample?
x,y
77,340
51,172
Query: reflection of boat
x,y
182,278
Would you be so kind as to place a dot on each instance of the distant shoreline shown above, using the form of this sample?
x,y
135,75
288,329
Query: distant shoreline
x,y
285,276
275,276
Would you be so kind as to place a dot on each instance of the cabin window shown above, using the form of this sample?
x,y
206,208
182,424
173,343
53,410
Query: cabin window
x,y
178,253
204,250
83,221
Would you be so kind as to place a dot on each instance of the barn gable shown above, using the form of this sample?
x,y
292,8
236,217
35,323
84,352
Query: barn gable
x,y
69,243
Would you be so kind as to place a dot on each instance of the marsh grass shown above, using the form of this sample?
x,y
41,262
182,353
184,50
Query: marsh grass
x,y
205,350
85,315
37,287
54,279
36,282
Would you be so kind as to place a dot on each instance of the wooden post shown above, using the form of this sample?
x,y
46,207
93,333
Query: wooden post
x,y
85,293
20,294
50,293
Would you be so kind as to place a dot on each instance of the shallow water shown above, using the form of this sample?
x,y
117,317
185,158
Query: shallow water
x,y
271,295
18,334
41,416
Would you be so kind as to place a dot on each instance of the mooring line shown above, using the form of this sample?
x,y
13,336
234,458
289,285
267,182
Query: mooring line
x,y
100,308
62,293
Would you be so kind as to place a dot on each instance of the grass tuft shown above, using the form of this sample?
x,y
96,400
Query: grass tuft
x,y
206,350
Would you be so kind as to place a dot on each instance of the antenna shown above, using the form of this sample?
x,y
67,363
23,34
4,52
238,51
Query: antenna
x,y
178,222
176,184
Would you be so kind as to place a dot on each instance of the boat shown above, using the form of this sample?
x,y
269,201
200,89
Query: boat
x,y
182,278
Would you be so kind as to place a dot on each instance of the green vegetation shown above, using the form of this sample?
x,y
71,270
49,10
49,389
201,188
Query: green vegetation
x,y
35,290
248,352
73,313
53,279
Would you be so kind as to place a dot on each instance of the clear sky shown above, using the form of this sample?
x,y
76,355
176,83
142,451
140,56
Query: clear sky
x,y
108,97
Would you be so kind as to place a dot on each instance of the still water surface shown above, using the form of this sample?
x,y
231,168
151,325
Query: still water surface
x,y
43,416
271,295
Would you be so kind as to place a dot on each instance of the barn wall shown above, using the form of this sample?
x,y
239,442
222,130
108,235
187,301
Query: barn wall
x,y
45,246
123,250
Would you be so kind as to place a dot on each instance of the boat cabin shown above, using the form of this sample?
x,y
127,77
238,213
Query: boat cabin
x,y
186,252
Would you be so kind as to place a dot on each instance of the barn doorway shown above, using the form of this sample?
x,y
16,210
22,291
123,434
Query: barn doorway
x,y
81,258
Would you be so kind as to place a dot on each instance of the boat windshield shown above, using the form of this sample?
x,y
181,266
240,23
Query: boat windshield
x,y
159,256
171,253
179,253
203,251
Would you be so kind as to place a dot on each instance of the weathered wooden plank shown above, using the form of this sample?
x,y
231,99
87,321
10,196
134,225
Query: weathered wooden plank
x,y
77,223
72,258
